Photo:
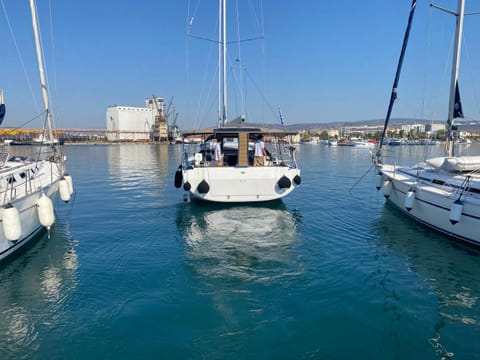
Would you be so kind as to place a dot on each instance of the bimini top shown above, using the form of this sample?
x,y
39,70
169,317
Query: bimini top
x,y
233,131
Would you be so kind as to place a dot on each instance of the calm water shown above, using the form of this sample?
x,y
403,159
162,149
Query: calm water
x,y
130,271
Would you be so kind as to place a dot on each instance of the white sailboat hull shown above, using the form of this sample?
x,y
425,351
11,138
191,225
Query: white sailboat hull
x,y
240,184
24,198
435,194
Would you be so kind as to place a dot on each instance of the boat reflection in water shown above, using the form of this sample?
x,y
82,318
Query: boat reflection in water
x,y
441,271
249,243
34,291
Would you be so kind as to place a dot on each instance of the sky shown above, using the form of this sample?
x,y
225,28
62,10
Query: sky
x,y
319,61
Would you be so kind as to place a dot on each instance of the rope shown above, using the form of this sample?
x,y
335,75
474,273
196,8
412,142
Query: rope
x,y
29,121
19,55
270,107
202,104
54,66
427,61
361,178
474,83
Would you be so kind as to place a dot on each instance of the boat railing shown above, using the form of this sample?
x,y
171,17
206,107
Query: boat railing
x,y
200,155
19,182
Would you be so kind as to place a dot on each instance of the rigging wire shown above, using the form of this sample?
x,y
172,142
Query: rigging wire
x,y
258,22
234,85
236,62
54,65
270,107
361,177
469,60
189,24
20,56
425,80
29,121
187,58
206,89
427,60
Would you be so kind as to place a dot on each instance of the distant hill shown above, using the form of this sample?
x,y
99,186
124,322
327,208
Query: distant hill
x,y
338,124
375,122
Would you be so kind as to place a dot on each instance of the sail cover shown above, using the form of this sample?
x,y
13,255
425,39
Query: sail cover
x,y
457,108
2,112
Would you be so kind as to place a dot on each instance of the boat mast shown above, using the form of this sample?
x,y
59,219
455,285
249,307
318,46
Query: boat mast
x,y
41,68
224,47
454,80
219,120
393,95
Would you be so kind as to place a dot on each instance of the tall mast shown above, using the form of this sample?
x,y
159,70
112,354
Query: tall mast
x,y
41,68
224,45
454,80
393,95
220,105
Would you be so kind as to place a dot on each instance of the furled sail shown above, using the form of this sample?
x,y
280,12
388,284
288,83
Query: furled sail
x,y
2,112
457,108
394,94
2,107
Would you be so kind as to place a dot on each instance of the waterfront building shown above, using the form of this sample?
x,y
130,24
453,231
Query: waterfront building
x,y
469,130
127,123
362,130
418,128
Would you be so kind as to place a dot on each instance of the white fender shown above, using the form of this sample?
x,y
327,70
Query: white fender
x,y
64,190
70,182
387,188
456,212
378,181
410,199
46,215
12,226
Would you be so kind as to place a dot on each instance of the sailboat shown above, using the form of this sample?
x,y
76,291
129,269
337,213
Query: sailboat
x,y
442,193
236,179
28,188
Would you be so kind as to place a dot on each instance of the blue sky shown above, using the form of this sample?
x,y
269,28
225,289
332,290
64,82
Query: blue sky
x,y
320,61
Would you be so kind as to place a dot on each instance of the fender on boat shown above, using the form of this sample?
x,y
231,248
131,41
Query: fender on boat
x,y
456,211
70,182
46,215
203,187
410,199
387,188
378,181
12,227
64,189
284,182
178,177
297,180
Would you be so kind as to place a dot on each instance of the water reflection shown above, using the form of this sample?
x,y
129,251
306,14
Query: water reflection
x,y
445,269
138,170
127,160
34,289
247,243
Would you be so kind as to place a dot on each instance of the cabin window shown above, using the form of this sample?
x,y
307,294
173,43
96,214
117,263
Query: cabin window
x,y
438,182
11,179
22,175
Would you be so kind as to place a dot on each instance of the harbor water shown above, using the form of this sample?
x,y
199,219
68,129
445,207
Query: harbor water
x,y
131,271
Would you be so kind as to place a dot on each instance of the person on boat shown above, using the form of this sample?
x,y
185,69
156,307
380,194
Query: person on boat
x,y
218,152
260,153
